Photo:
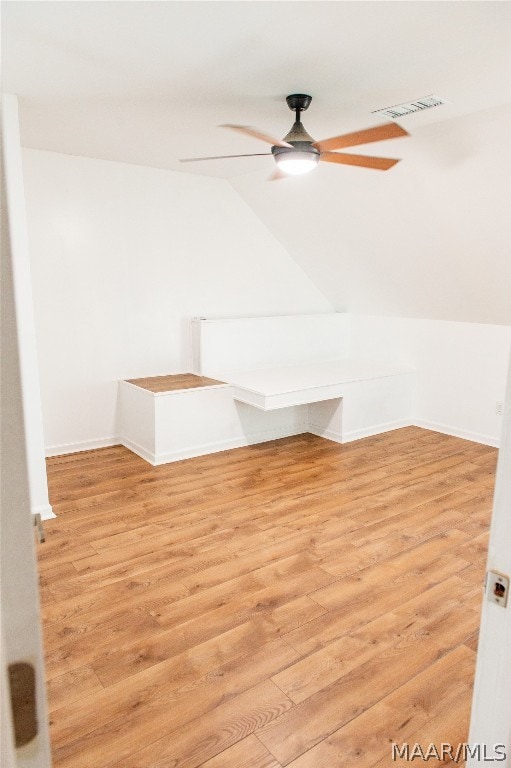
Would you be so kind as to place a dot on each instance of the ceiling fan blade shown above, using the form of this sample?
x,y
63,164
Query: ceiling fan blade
x,y
222,157
378,163
249,131
276,175
378,133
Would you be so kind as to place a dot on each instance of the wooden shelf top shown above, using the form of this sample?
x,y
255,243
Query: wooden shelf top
x,y
174,382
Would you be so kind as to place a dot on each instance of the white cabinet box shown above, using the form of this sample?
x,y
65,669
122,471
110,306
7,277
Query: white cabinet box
x,y
179,424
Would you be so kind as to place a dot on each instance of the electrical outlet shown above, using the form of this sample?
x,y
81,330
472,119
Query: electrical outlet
x,y
499,408
497,588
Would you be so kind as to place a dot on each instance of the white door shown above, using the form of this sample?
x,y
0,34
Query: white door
x,y
24,735
491,708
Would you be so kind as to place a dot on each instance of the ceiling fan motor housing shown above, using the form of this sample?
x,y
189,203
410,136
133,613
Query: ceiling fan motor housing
x,y
298,146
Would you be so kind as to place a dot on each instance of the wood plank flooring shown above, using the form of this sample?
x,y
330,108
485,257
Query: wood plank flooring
x,y
295,603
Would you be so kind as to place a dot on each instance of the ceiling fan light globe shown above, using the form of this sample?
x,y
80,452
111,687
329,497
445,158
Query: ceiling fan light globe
x,y
297,163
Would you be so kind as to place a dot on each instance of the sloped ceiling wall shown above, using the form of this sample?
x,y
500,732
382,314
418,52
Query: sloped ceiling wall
x,y
430,238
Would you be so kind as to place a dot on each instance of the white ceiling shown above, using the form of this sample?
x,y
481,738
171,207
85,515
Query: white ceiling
x,y
148,82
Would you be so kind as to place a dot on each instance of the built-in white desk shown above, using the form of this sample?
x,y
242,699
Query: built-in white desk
x,y
271,388
267,378
341,400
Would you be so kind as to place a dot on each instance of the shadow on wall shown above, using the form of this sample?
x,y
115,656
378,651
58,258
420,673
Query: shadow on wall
x,y
258,425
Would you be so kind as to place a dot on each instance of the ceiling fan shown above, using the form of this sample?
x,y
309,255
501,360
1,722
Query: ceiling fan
x,y
299,153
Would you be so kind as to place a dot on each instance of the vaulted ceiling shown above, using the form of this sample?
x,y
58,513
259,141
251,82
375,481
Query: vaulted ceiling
x,y
149,82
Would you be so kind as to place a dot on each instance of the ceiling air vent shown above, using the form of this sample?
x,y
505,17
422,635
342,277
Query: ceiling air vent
x,y
409,107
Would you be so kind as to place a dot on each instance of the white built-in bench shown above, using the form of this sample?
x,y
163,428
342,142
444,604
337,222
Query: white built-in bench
x,y
346,399
255,399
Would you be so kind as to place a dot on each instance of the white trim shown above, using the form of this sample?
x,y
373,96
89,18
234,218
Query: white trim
x,y
445,429
107,442
216,447
269,317
23,465
84,445
226,445
136,448
376,429
45,510
201,450
188,390
328,434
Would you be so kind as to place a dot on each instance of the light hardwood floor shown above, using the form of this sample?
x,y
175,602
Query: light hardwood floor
x,y
295,603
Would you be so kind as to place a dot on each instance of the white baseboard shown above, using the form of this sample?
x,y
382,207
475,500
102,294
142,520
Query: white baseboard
x,y
47,513
215,447
85,445
376,429
138,449
45,510
329,434
199,450
445,429
226,445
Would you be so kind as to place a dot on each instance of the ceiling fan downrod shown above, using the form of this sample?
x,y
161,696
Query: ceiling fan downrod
x,y
298,103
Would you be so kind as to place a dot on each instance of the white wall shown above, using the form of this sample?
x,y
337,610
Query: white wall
x,y
122,257
461,369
